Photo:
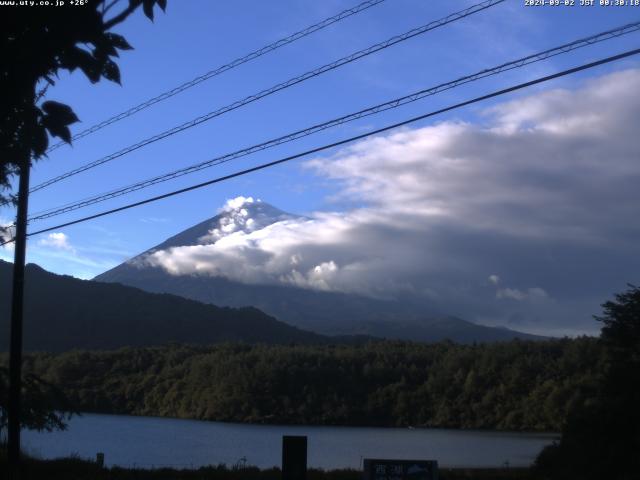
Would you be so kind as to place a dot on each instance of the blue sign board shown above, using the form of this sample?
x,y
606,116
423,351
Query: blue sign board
x,y
385,469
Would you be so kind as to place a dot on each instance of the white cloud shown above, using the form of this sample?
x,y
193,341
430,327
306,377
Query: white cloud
x,y
56,253
544,192
236,203
297,251
7,231
57,240
531,294
535,293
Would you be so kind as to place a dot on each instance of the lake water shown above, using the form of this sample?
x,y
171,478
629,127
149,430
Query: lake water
x,y
149,442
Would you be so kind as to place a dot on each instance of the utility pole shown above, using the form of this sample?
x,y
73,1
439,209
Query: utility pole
x,y
17,304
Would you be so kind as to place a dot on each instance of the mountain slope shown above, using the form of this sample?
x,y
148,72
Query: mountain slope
x,y
63,313
441,328
328,313
325,312
237,219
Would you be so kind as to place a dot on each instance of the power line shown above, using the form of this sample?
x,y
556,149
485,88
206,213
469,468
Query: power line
x,y
521,62
276,88
342,142
224,68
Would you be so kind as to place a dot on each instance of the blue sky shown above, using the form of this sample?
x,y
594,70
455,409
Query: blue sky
x,y
195,36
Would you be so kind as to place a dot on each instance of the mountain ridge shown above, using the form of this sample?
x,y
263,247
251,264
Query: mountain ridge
x,y
62,313
323,312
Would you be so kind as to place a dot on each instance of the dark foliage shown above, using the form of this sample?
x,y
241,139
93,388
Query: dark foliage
x,y
74,468
37,42
601,438
44,406
509,386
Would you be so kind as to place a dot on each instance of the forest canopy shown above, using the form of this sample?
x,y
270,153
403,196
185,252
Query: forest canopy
x,y
517,385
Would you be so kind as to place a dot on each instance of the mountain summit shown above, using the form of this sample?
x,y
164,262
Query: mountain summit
x,y
241,214
186,265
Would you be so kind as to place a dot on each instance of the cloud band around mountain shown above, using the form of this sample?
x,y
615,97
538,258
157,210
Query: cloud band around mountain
x,y
542,195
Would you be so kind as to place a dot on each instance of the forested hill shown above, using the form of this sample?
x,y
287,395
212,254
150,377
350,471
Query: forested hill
x,y
63,313
511,386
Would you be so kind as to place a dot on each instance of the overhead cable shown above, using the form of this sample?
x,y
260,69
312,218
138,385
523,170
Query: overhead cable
x,y
345,141
223,68
276,88
395,103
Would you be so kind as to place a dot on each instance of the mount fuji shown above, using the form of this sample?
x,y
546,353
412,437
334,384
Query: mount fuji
x,y
161,269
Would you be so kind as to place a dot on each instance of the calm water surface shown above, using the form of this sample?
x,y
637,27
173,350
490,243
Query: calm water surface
x,y
150,442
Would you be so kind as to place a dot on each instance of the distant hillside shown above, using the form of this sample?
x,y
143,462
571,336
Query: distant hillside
x,y
326,313
436,329
63,313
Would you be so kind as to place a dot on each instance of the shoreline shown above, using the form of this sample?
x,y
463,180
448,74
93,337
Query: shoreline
x,y
81,469
532,433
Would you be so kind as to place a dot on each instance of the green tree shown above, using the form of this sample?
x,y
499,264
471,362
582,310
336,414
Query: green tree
x,y
44,406
35,44
601,439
